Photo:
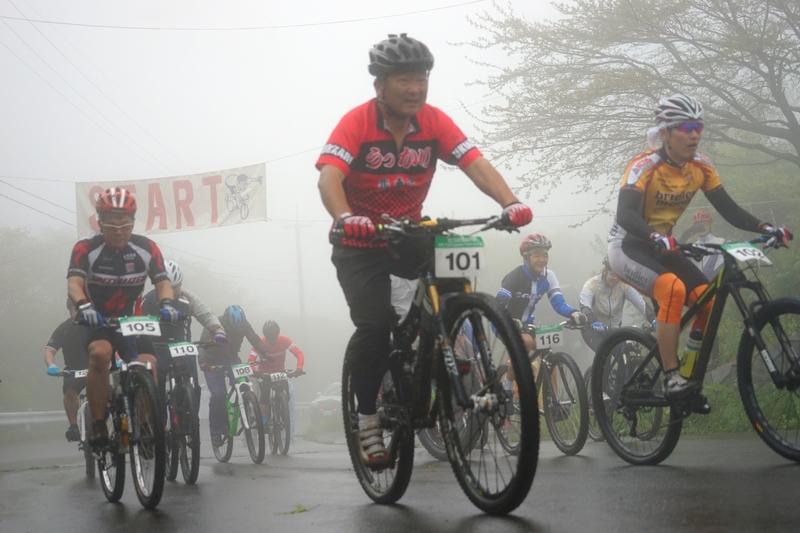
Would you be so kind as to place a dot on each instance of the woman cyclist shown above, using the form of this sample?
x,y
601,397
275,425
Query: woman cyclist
x,y
656,188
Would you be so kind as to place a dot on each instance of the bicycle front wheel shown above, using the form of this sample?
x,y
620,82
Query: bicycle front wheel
x,y
774,412
494,479
388,485
85,423
631,415
566,407
255,435
148,457
187,432
594,429
171,449
111,464
281,426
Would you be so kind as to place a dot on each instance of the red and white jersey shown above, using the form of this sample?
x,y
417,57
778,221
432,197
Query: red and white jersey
x,y
115,278
379,177
276,355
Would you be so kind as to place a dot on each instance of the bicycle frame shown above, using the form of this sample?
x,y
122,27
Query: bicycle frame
x,y
425,318
729,281
236,406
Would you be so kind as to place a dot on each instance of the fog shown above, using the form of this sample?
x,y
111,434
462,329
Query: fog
x,y
102,103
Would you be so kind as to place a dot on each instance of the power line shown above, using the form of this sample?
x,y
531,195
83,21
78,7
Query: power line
x,y
75,106
84,98
38,211
222,262
39,197
37,253
248,28
101,91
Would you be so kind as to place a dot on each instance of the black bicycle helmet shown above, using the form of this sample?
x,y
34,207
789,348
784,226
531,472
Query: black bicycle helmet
x,y
271,329
399,54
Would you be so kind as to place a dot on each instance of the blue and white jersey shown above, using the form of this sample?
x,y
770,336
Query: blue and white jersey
x,y
520,291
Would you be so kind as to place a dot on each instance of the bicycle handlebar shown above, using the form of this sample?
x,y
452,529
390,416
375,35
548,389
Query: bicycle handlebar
x,y
395,229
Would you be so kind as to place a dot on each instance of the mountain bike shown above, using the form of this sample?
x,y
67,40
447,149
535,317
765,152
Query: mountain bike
x,y
279,424
494,480
244,414
563,401
182,431
643,427
135,421
84,422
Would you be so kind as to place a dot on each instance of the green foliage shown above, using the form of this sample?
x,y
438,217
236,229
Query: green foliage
x,y
727,414
580,88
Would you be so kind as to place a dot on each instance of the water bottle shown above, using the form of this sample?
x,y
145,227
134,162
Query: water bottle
x,y
690,356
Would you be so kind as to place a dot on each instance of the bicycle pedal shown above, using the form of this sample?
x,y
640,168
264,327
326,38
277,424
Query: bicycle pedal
x,y
700,405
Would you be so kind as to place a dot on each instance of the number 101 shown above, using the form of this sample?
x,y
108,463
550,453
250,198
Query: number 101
x,y
463,261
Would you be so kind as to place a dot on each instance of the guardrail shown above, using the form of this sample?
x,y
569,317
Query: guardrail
x,y
39,417
32,417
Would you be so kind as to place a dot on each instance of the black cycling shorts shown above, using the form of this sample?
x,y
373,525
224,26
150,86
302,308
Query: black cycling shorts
x,y
144,343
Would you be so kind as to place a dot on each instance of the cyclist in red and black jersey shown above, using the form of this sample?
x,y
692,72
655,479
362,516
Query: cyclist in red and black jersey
x,y
106,278
379,159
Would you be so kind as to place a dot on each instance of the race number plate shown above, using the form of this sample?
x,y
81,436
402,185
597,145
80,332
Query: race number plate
x,y
459,256
140,325
81,373
549,337
242,371
182,349
278,376
746,253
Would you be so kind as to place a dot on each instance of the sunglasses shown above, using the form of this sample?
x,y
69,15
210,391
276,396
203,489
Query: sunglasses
x,y
120,227
688,127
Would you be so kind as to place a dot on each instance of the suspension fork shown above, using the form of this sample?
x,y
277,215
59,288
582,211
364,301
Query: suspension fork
x,y
240,387
748,313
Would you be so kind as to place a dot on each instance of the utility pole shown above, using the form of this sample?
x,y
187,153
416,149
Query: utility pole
x,y
301,293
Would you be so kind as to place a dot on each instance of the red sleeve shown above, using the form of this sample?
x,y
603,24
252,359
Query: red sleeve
x,y
156,268
455,147
79,261
344,142
298,354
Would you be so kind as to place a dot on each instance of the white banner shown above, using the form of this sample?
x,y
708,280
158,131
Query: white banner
x,y
181,203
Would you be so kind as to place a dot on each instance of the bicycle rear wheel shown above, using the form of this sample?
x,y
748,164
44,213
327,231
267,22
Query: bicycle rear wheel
x,y
255,435
223,453
388,485
148,458
111,464
281,426
635,432
774,412
85,423
594,429
494,479
187,432
566,409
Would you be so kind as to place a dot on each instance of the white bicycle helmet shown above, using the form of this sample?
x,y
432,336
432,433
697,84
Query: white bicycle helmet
x,y
679,108
173,272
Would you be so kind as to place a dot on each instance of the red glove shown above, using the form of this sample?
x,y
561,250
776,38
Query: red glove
x,y
783,235
357,227
664,243
517,214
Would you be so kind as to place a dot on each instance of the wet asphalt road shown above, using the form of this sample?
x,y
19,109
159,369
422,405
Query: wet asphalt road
x,y
721,484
